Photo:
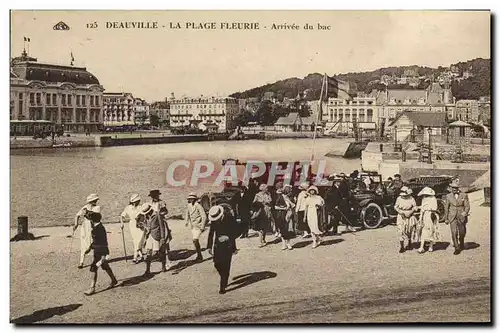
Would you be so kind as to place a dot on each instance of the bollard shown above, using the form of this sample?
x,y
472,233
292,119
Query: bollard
x,y
381,147
22,230
22,225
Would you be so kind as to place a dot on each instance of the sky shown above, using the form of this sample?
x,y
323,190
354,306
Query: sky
x,y
153,63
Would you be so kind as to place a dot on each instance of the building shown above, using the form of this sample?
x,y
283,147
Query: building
x,y
289,123
161,110
193,111
339,110
118,109
433,99
66,95
484,106
141,112
418,123
314,109
467,110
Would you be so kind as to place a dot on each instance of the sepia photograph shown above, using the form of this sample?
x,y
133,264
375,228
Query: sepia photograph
x,y
250,167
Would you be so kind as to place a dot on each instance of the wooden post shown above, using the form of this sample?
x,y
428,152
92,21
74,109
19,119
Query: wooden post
x,y
22,225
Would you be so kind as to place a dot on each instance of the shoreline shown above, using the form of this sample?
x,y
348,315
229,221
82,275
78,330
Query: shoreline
x,y
124,139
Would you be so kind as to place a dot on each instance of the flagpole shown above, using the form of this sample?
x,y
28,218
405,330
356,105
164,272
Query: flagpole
x,y
24,44
28,48
317,116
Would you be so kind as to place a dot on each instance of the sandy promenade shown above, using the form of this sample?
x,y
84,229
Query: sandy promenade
x,y
355,277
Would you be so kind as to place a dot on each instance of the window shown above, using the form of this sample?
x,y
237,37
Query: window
x,y
369,115
47,99
39,98
91,100
77,100
54,99
84,100
462,131
63,99
69,100
97,100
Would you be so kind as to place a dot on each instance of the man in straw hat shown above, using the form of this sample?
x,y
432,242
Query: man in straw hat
x,y
456,212
195,221
156,235
300,209
101,251
86,230
224,229
130,212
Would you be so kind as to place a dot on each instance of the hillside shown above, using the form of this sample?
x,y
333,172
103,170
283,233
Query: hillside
x,y
471,88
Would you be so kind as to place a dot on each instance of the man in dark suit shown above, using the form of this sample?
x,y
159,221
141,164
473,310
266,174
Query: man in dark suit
x,y
334,201
456,211
241,202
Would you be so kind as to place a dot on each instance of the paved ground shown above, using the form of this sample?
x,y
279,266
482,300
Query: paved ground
x,y
355,277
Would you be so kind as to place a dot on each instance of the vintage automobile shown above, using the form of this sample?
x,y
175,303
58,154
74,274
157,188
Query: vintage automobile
x,y
376,205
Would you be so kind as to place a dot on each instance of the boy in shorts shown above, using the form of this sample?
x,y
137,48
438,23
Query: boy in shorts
x,y
101,251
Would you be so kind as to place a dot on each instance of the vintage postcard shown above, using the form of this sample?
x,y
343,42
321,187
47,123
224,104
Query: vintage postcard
x,y
250,167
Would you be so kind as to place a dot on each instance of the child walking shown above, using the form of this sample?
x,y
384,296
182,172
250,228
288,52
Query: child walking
x,y
101,251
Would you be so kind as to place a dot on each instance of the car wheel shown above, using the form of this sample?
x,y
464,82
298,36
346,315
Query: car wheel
x,y
372,216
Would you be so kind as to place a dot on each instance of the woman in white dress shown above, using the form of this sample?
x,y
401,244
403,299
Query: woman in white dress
x,y
130,212
313,203
86,230
428,219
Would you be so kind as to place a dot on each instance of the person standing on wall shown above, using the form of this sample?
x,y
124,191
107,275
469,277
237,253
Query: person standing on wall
x,y
456,212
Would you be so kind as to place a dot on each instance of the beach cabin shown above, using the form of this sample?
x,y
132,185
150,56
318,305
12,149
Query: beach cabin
x,y
459,133
288,123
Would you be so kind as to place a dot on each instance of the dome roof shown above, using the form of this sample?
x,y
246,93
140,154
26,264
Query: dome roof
x,y
54,73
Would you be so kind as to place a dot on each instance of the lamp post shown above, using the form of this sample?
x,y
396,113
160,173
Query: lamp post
x,y
395,137
429,160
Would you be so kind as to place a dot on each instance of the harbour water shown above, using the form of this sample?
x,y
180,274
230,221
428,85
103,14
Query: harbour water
x,y
50,186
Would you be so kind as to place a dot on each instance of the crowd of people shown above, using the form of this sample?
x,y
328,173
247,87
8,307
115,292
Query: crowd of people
x,y
284,212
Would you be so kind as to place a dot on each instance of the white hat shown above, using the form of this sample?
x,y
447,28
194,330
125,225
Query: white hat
x,y
215,213
146,208
303,186
427,191
312,187
134,198
92,197
404,191
332,176
192,195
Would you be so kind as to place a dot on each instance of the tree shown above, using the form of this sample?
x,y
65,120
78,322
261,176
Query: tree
x,y
243,117
265,114
154,120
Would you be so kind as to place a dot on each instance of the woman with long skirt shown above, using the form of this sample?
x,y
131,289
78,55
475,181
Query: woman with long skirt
x,y
300,209
405,207
282,207
428,219
86,230
314,203
130,212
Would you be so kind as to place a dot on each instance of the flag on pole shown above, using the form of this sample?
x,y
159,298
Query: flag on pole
x,y
72,58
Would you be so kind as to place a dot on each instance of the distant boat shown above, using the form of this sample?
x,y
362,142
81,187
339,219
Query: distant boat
x,y
59,145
